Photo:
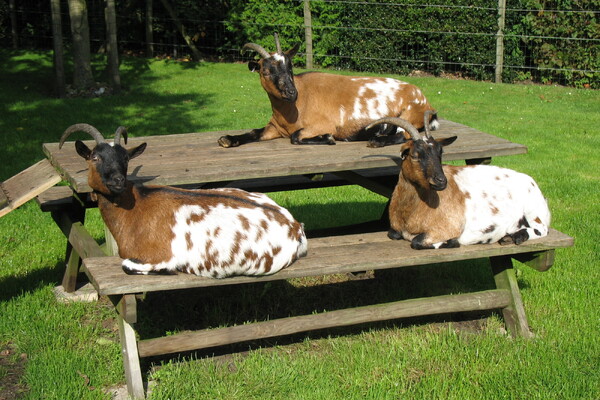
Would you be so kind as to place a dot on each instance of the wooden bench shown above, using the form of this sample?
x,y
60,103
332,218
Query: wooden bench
x,y
327,255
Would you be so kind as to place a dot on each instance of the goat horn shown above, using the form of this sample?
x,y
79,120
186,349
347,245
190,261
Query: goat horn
x,y
402,123
120,131
87,128
277,44
426,118
259,49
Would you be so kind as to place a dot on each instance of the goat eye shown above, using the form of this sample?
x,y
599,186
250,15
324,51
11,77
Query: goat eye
x,y
95,158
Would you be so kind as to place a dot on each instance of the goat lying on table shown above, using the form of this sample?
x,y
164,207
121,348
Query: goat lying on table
x,y
213,233
435,205
320,108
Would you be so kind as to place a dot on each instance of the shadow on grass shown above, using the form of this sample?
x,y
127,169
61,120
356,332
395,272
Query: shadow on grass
x,y
13,286
32,116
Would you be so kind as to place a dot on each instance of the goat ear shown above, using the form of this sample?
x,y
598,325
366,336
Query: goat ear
x,y
404,150
136,151
292,52
253,66
82,149
446,141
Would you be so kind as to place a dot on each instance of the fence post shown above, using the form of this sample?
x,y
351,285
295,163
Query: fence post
x,y
500,41
308,34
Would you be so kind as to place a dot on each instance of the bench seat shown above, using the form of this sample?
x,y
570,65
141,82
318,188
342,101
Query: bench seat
x,y
328,255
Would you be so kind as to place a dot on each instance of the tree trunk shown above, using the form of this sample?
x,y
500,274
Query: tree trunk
x,y
195,52
57,40
149,32
82,69
13,24
110,16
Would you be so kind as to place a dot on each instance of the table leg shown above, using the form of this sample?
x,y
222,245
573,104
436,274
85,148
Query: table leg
x,y
514,314
73,263
127,315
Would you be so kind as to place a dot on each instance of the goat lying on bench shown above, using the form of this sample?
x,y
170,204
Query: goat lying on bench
x,y
213,233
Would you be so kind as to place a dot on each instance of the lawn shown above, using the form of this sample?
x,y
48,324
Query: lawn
x,y
51,350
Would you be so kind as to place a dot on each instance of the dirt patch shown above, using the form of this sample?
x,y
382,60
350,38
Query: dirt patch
x,y
12,369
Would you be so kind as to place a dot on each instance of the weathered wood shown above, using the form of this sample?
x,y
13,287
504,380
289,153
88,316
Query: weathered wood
x,y
3,198
367,183
78,236
129,351
69,281
126,306
27,184
328,255
541,261
173,159
55,198
485,300
514,313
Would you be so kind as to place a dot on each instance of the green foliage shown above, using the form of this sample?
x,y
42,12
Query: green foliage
x,y
564,60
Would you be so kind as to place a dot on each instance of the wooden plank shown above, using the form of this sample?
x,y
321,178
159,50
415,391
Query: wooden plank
x,y
541,261
330,255
484,300
193,158
27,184
55,198
83,243
131,359
514,312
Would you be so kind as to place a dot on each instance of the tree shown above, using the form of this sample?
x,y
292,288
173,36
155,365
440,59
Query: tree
x,y
80,31
59,69
110,16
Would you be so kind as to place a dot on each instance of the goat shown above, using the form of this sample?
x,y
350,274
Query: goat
x,y
213,233
320,108
435,205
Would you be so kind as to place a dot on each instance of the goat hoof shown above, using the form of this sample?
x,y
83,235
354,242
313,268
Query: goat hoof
x,y
225,141
394,235
374,144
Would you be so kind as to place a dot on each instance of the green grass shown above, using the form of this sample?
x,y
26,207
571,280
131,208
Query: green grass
x,y
72,349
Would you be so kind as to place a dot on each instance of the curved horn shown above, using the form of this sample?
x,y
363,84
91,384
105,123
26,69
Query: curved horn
x,y
402,123
87,128
426,118
277,44
259,49
120,131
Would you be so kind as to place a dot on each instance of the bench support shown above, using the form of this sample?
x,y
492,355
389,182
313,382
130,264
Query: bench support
x,y
127,315
514,313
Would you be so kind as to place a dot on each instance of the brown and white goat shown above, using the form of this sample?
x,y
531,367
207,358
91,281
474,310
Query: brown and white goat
x,y
213,233
435,205
320,108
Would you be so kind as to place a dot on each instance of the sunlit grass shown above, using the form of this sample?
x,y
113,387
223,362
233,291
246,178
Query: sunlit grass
x,y
72,349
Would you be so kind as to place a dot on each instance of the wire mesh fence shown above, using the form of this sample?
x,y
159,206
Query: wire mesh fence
x,y
461,38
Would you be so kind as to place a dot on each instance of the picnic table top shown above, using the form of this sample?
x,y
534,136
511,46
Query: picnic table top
x,y
193,158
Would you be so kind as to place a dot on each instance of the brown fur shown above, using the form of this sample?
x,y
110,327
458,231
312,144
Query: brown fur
x,y
319,114
149,239
414,211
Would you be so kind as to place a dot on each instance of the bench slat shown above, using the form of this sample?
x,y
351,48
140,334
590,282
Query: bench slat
x,y
330,255
185,341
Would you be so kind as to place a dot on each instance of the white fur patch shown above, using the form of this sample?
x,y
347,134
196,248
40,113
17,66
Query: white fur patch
x,y
224,241
380,93
498,199
278,57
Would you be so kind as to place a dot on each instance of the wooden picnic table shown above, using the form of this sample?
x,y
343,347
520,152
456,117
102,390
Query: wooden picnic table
x,y
195,160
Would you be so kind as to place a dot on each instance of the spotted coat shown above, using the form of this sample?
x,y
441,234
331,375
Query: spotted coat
x,y
471,205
